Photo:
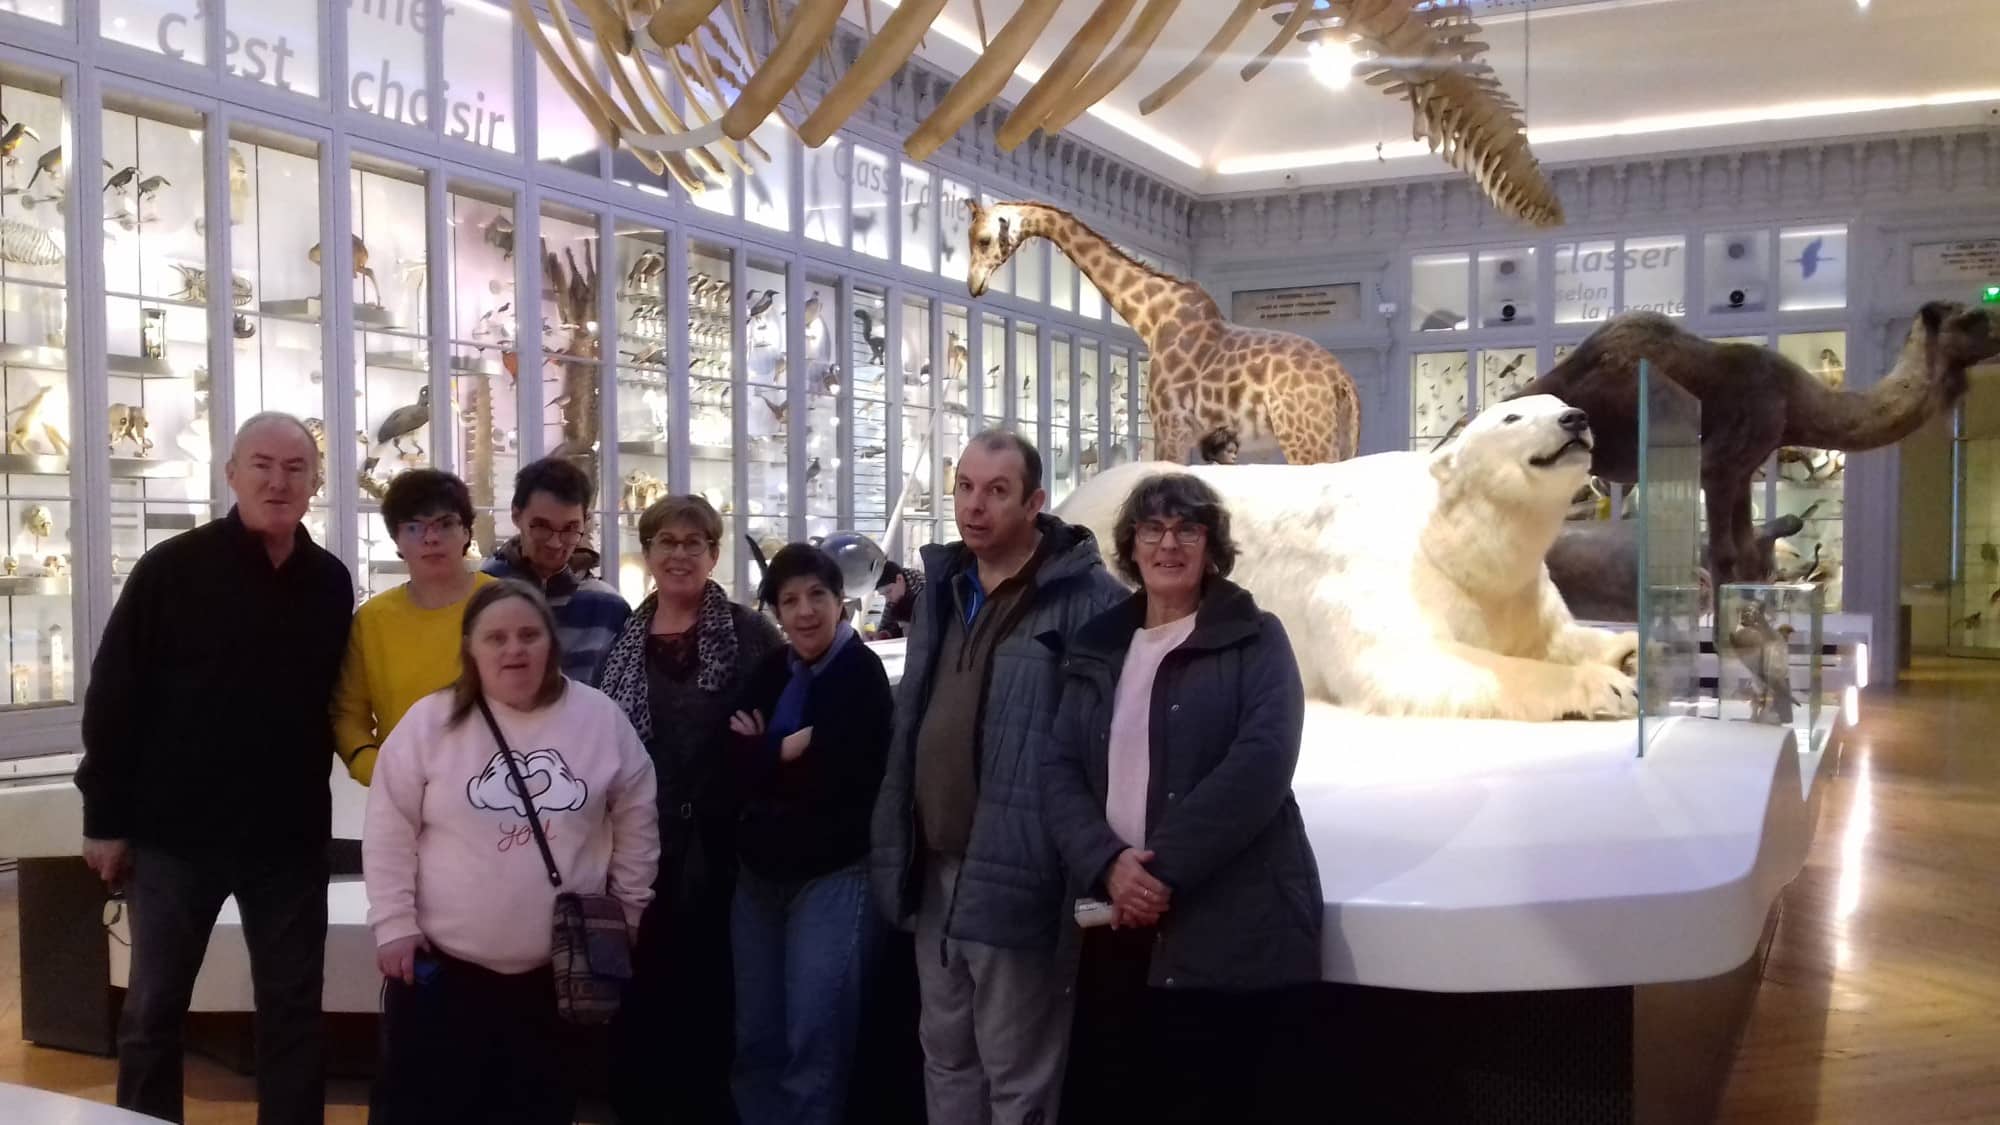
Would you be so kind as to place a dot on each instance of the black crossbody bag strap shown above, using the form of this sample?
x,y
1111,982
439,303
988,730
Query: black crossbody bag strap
x,y
521,787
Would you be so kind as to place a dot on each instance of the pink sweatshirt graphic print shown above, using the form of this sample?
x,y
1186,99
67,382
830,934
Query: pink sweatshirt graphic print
x,y
448,853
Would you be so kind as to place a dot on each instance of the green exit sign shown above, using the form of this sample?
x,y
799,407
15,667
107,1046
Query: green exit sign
x,y
1991,295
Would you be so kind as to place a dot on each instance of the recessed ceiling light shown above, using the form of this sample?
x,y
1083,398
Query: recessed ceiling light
x,y
1332,62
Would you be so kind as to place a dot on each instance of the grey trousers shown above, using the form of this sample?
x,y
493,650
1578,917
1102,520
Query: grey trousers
x,y
995,1022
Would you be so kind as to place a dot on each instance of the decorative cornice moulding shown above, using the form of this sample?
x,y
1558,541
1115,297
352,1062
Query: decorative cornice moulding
x,y
1880,173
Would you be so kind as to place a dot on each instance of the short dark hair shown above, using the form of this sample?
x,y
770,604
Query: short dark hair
x,y
800,560
999,440
466,692
1212,446
891,571
560,477
674,511
1174,496
425,492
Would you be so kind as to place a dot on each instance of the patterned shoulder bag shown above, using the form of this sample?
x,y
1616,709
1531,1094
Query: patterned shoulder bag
x,y
590,949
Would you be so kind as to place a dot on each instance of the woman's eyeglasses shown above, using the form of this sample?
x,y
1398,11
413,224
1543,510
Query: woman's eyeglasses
x,y
669,545
445,526
1186,534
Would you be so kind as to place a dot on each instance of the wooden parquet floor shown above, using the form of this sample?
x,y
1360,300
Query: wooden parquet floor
x,y
1881,1000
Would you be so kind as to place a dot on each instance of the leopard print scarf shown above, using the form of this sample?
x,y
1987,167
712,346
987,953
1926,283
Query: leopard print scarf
x,y
624,678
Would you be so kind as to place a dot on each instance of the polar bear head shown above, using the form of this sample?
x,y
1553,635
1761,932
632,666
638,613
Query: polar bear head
x,y
1532,451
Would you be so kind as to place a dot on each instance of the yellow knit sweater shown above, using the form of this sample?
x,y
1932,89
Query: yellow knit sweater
x,y
397,653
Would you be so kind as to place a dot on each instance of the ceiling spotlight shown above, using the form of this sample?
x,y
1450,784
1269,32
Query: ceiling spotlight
x,y
1332,62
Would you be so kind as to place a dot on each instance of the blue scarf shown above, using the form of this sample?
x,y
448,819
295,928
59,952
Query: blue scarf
x,y
789,716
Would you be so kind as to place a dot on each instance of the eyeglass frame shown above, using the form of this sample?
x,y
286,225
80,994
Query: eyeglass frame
x,y
686,548
1152,533
541,532
445,525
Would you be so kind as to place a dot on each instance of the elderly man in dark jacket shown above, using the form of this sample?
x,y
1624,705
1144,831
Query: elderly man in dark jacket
x,y
206,750
1168,789
961,851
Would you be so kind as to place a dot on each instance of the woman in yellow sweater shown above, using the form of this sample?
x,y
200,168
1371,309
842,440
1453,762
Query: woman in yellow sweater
x,y
404,644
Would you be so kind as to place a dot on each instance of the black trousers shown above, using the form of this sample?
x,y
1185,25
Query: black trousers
x,y
471,1046
174,899
1178,1056
674,1039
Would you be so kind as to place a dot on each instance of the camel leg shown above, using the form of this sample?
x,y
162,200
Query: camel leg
x,y
1719,500
1751,562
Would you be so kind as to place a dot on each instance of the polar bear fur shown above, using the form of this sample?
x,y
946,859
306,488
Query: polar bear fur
x,y
1413,583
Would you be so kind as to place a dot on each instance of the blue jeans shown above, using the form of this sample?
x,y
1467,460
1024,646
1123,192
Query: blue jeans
x,y
802,951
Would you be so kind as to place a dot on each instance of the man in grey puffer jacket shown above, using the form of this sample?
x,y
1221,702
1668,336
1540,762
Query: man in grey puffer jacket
x,y
962,854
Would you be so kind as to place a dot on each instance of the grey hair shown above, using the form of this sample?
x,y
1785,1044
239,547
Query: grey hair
x,y
1180,496
272,417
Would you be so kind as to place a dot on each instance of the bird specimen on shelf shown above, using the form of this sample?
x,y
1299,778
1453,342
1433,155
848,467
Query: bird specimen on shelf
x,y
360,269
499,234
12,137
37,521
760,303
780,410
653,355
128,423
646,271
958,357
50,165
26,421
829,379
812,309
812,470
150,187
239,185
878,340
404,422
1766,656
9,567
123,178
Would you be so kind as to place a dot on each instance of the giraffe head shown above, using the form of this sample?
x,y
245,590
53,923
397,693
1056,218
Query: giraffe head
x,y
995,233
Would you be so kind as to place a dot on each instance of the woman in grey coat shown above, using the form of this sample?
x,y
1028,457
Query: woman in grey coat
x,y
1168,789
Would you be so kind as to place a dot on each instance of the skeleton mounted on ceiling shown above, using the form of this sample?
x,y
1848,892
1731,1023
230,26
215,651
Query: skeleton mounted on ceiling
x,y
1423,54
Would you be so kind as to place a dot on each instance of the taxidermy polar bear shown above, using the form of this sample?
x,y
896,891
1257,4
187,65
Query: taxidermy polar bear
x,y
1413,583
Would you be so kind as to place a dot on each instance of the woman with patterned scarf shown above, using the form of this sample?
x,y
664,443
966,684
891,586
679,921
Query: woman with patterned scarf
x,y
677,670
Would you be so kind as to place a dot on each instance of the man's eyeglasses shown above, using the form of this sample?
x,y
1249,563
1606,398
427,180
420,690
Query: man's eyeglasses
x,y
1186,534
445,526
568,536
669,545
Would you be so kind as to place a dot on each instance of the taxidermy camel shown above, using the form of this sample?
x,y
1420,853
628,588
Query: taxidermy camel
x,y
1207,374
1427,54
1753,401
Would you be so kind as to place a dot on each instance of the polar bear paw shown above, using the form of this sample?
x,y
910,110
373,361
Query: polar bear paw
x,y
1621,651
1600,691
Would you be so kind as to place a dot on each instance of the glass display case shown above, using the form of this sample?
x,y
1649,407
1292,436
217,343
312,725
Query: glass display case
x,y
713,343
867,357
1142,431
1975,565
391,311
1769,659
481,423
1089,414
767,499
1670,584
1025,386
1439,396
156,297
644,400
995,396
36,475
1811,483
826,415
1118,369
1502,372
571,360
955,422
918,459
1060,453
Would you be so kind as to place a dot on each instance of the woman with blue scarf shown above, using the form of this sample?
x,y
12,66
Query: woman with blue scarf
x,y
812,742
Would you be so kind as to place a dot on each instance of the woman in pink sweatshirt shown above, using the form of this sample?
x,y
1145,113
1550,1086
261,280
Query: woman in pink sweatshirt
x,y
458,894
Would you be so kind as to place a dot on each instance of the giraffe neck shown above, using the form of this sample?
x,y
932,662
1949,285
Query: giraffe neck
x,y
1122,280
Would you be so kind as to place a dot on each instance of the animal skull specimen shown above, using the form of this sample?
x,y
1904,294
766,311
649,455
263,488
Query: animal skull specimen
x,y
1424,54
39,523
194,286
128,423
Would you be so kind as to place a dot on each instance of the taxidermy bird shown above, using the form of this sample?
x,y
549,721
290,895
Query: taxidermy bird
x,y
812,470
239,185
27,419
404,421
361,269
122,179
499,234
1831,371
15,136
1971,621
829,379
1765,655
1812,257
878,341
51,164
958,356
812,308
1501,377
646,270
150,186
760,303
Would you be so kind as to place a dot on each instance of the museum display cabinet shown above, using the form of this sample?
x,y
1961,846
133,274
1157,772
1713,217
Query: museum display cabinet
x,y
1482,322
795,343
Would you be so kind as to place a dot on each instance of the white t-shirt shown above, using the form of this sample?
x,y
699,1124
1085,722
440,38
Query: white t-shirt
x,y
1131,763
447,853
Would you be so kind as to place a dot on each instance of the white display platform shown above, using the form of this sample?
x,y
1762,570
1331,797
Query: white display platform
x,y
1460,856
21,1105
1455,856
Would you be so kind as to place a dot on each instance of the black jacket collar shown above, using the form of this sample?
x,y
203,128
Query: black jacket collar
x,y
1228,615
1067,551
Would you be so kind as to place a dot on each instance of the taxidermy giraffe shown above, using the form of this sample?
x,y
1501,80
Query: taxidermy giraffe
x,y
1753,401
1207,374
